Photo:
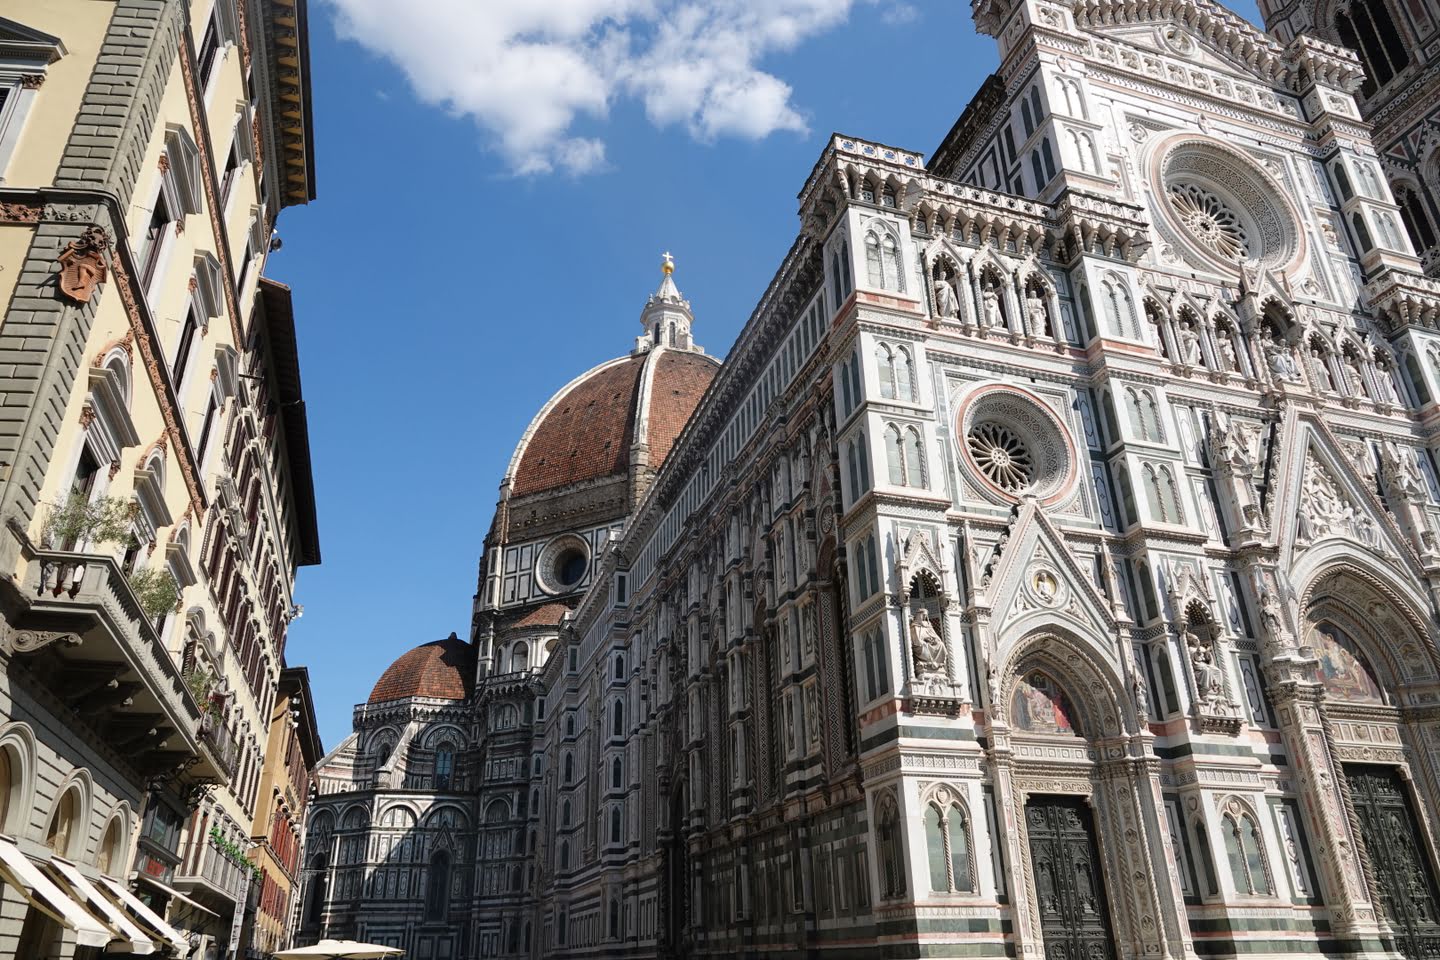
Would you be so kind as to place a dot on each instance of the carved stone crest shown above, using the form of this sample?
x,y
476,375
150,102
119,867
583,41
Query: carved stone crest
x,y
82,264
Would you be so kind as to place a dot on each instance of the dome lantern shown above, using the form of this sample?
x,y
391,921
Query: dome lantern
x,y
666,318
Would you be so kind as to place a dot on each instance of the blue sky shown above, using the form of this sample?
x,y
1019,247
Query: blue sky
x,y
465,259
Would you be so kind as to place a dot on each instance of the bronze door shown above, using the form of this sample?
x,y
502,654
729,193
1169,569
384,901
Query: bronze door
x,y
1069,885
1404,877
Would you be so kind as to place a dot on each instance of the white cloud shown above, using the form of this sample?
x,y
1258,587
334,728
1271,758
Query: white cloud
x,y
528,73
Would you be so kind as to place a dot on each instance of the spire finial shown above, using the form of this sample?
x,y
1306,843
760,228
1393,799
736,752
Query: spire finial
x,y
667,263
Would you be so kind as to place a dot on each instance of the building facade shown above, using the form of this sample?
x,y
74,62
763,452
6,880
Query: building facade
x,y
156,485
291,752
1049,569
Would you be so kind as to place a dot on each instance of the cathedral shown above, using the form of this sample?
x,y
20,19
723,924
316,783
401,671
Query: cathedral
x,y
1050,568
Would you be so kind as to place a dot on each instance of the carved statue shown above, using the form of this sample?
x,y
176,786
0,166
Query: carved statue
x,y
1209,682
991,317
1270,615
1037,313
1229,360
1142,698
1402,472
1322,373
1278,358
1357,374
1230,446
1385,377
945,303
927,648
1190,344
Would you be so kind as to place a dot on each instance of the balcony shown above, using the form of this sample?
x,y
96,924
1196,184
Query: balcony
x,y
220,742
219,880
79,629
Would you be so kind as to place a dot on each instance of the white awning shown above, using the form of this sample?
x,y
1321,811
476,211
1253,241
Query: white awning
x,y
128,937
176,894
44,896
147,916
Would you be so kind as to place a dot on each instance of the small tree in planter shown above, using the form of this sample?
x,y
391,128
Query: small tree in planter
x,y
156,590
80,520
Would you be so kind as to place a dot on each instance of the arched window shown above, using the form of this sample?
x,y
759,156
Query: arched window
x,y
519,657
894,455
570,725
1369,28
914,458
111,855
1362,233
885,362
1172,496
617,773
62,823
1416,218
437,894
619,666
882,260
565,814
569,767
1037,171
904,376
617,719
564,864
1035,104
892,858
874,263
1244,845
887,196
867,191
947,843
444,765
615,824
7,787
319,881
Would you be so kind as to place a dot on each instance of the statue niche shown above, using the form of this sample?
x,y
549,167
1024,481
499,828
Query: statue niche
x,y
943,281
934,686
1213,710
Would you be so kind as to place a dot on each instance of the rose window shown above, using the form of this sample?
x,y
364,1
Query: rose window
x,y
1001,456
1210,220
1013,446
1219,207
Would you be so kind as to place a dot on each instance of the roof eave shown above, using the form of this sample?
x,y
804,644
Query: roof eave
x,y
279,315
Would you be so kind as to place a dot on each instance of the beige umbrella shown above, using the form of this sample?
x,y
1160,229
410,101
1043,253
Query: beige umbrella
x,y
339,950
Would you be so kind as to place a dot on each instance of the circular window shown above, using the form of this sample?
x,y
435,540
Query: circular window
x,y
1001,455
1210,220
1014,446
1222,208
562,564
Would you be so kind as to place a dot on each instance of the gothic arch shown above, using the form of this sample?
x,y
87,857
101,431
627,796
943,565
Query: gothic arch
x,y
1091,680
443,732
1365,603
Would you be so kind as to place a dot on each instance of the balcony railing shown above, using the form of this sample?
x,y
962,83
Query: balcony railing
x,y
217,875
148,707
221,744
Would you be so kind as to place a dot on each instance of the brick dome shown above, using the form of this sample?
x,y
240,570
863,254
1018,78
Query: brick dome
x,y
439,670
587,430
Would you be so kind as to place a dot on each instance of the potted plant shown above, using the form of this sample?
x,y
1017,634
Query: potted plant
x,y
156,590
80,520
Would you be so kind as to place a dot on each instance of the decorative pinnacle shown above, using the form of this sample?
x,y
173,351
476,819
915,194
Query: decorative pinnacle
x,y
667,263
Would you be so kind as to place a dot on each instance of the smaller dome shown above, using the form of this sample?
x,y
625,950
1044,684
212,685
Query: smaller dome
x,y
439,670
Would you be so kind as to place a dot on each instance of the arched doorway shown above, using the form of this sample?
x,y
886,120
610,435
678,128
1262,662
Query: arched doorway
x,y
1064,851
1366,652
1079,814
